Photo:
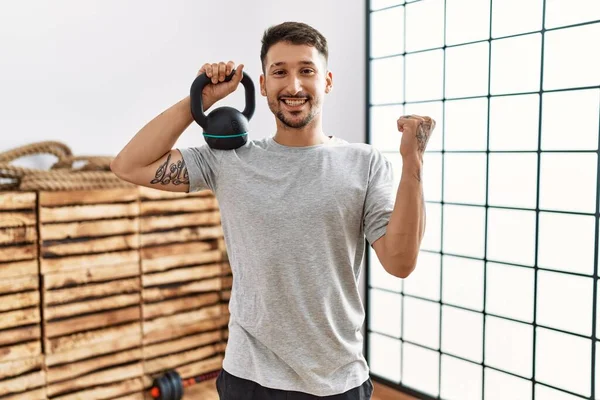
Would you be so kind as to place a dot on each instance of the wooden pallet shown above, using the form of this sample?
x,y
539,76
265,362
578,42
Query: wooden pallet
x,y
91,293
22,375
182,260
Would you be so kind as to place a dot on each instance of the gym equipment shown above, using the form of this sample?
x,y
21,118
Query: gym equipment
x,y
170,386
225,128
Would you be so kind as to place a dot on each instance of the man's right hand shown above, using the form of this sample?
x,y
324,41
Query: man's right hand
x,y
217,89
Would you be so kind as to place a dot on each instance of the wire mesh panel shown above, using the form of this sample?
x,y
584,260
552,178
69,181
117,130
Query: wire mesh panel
x,y
503,302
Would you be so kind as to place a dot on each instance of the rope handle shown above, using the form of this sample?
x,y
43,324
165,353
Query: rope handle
x,y
68,173
91,163
66,160
58,149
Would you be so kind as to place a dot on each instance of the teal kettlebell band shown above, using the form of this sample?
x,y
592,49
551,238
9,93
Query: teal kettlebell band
x,y
224,136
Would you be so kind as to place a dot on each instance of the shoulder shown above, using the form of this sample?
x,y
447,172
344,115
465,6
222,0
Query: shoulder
x,y
251,146
363,150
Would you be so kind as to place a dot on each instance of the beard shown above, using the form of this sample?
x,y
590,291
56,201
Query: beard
x,y
296,123
290,119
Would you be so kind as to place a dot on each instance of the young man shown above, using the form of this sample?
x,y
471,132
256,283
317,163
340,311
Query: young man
x,y
296,210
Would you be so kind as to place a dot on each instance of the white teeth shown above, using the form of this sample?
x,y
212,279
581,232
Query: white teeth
x,y
294,102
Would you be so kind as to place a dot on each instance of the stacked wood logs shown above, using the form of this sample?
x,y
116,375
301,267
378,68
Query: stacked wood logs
x,y
22,374
103,290
91,289
182,257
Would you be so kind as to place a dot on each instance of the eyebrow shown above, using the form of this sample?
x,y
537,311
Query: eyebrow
x,y
303,62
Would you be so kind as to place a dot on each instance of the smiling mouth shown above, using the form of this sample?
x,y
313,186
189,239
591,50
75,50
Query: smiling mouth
x,y
294,102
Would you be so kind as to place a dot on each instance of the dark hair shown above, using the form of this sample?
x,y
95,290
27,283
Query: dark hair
x,y
294,33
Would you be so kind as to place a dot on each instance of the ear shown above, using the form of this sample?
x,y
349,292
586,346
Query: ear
x,y
263,90
328,82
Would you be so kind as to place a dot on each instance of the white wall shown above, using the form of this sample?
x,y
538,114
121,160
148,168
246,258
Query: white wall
x,y
91,73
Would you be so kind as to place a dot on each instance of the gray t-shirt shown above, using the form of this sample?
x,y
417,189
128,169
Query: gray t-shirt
x,y
295,220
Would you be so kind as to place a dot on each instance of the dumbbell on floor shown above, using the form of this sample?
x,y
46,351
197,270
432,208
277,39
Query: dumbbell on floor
x,y
170,386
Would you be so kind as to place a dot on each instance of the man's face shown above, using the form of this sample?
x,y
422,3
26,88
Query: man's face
x,y
295,82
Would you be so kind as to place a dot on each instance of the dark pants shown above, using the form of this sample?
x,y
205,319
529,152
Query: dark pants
x,y
231,387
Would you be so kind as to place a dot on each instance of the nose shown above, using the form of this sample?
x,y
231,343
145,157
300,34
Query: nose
x,y
295,85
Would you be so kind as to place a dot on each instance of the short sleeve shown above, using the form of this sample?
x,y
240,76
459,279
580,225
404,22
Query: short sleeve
x,y
379,202
203,165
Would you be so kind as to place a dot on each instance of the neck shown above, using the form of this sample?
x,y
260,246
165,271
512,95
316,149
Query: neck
x,y
309,135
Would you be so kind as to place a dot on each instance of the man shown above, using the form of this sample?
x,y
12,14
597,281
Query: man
x,y
296,210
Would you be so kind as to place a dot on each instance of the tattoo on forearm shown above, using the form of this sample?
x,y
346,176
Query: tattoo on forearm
x,y
176,173
423,133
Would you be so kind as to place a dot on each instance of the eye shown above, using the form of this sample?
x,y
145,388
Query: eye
x,y
307,71
278,72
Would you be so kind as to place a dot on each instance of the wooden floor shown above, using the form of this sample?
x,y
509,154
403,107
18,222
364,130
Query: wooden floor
x,y
382,392
207,391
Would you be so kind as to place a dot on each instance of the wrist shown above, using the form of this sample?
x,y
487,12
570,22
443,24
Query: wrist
x,y
412,160
184,106
413,166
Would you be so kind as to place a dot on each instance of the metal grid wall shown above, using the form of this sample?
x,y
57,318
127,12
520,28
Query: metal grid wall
x,y
503,302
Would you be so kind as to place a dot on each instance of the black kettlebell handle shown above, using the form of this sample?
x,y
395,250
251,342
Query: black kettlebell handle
x,y
196,96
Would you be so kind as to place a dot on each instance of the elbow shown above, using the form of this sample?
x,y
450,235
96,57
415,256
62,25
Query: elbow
x,y
114,166
117,168
402,267
402,271
399,257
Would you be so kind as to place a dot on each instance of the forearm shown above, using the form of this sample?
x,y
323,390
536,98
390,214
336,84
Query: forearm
x,y
407,223
157,137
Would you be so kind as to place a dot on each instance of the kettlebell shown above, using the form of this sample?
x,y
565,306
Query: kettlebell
x,y
225,128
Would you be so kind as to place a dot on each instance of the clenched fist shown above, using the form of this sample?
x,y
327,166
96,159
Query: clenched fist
x,y
416,131
220,89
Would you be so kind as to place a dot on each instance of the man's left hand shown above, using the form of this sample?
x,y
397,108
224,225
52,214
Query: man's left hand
x,y
416,131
